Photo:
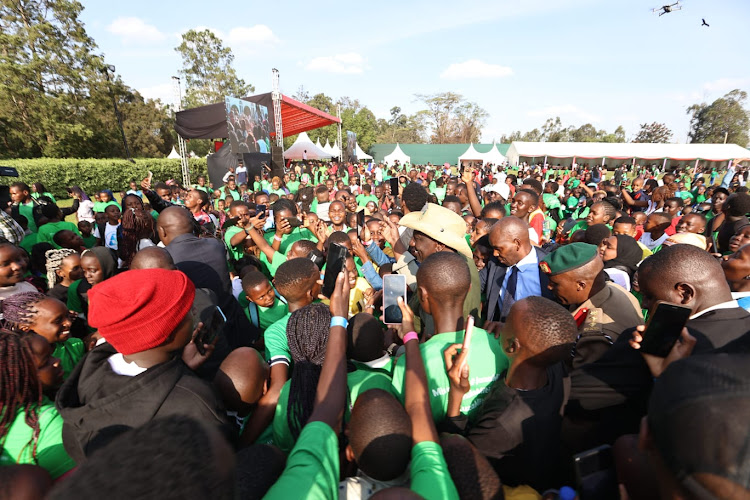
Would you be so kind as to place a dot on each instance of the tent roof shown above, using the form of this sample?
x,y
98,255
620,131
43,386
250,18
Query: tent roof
x,y
471,154
437,154
327,148
173,154
397,154
626,150
304,144
210,122
335,151
494,156
361,155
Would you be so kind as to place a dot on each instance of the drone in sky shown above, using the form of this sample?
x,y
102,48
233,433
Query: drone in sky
x,y
666,9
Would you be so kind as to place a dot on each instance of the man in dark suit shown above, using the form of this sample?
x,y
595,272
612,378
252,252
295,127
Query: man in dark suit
x,y
513,273
609,396
204,261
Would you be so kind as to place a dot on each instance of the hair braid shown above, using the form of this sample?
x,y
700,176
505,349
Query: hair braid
x,y
307,336
54,261
19,309
136,224
19,385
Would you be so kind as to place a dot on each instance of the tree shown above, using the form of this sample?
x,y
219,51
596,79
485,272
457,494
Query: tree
x,y
55,98
402,128
451,118
208,71
726,117
553,131
654,133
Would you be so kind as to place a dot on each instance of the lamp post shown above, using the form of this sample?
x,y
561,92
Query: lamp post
x,y
106,70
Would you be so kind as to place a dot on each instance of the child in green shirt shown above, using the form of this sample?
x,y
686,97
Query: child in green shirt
x,y
48,317
41,443
85,228
261,305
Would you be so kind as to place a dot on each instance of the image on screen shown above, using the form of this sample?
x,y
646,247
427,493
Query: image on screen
x,y
248,127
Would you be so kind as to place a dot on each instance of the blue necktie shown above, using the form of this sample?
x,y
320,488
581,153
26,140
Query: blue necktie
x,y
510,294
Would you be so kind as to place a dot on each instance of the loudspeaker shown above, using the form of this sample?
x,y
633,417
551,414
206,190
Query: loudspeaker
x,y
277,162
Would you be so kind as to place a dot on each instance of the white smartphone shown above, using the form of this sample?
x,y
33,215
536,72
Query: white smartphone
x,y
394,286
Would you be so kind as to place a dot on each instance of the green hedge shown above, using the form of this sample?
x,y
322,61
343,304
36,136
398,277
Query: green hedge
x,y
95,175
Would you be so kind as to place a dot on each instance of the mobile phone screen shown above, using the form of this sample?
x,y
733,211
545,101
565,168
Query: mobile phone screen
x,y
663,328
394,185
360,221
260,210
394,286
211,330
293,221
334,265
270,221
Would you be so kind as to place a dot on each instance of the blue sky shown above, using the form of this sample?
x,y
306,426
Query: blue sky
x,y
603,62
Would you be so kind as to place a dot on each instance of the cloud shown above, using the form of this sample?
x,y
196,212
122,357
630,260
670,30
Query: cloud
x,y
135,30
258,34
164,92
474,68
567,110
349,63
726,84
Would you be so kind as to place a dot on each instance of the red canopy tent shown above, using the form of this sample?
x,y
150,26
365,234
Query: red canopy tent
x,y
210,121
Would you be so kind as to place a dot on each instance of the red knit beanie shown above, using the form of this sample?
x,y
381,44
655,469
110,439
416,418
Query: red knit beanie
x,y
137,310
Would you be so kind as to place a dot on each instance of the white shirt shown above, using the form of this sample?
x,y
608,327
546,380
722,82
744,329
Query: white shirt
x,y
121,367
225,179
650,243
730,304
86,211
110,235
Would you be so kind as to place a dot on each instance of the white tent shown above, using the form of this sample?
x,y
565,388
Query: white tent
x,y
622,152
471,154
361,155
173,155
327,148
304,147
493,156
335,151
318,145
397,154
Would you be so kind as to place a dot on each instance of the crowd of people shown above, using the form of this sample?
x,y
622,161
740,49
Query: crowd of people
x,y
174,341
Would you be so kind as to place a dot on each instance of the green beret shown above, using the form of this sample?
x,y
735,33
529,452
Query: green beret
x,y
568,257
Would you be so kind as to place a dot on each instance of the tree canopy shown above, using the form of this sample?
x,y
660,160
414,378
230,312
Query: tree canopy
x,y
554,131
725,118
653,133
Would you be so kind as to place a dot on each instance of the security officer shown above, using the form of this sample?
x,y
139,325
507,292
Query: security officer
x,y
601,308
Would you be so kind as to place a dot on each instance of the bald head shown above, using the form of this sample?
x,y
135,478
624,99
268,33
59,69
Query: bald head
x,y
241,379
446,277
510,240
153,258
173,222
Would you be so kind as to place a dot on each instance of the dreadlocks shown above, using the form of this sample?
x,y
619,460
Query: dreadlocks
x,y
307,335
136,225
19,309
19,385
54,261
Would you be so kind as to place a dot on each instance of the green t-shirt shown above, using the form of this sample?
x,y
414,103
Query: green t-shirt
x,y
278,259
29,241
270,315
292,186
50,453
362,199
486,362
70,353
312,469
277,347
36,196
439,193
298,233
430,477
47,232
100,206
357,381
235,195
238,251
278,192
89,241
27,210
201,188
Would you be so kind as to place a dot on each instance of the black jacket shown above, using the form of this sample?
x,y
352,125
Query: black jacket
x,y
204,261
495,276
609,396
97,404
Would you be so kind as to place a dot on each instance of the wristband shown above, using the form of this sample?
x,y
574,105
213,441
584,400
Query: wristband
x,y
411,336
367,243
276,237
339,321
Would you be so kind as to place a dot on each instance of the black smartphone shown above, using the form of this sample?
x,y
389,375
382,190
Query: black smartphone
x,y
360,221
232,221
664,326
260,210
595,473
394,185
293,221
394,286
210,329
335,263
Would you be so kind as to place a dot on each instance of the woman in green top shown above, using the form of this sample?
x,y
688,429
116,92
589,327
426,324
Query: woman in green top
x,y
293,184
38,189
30,427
